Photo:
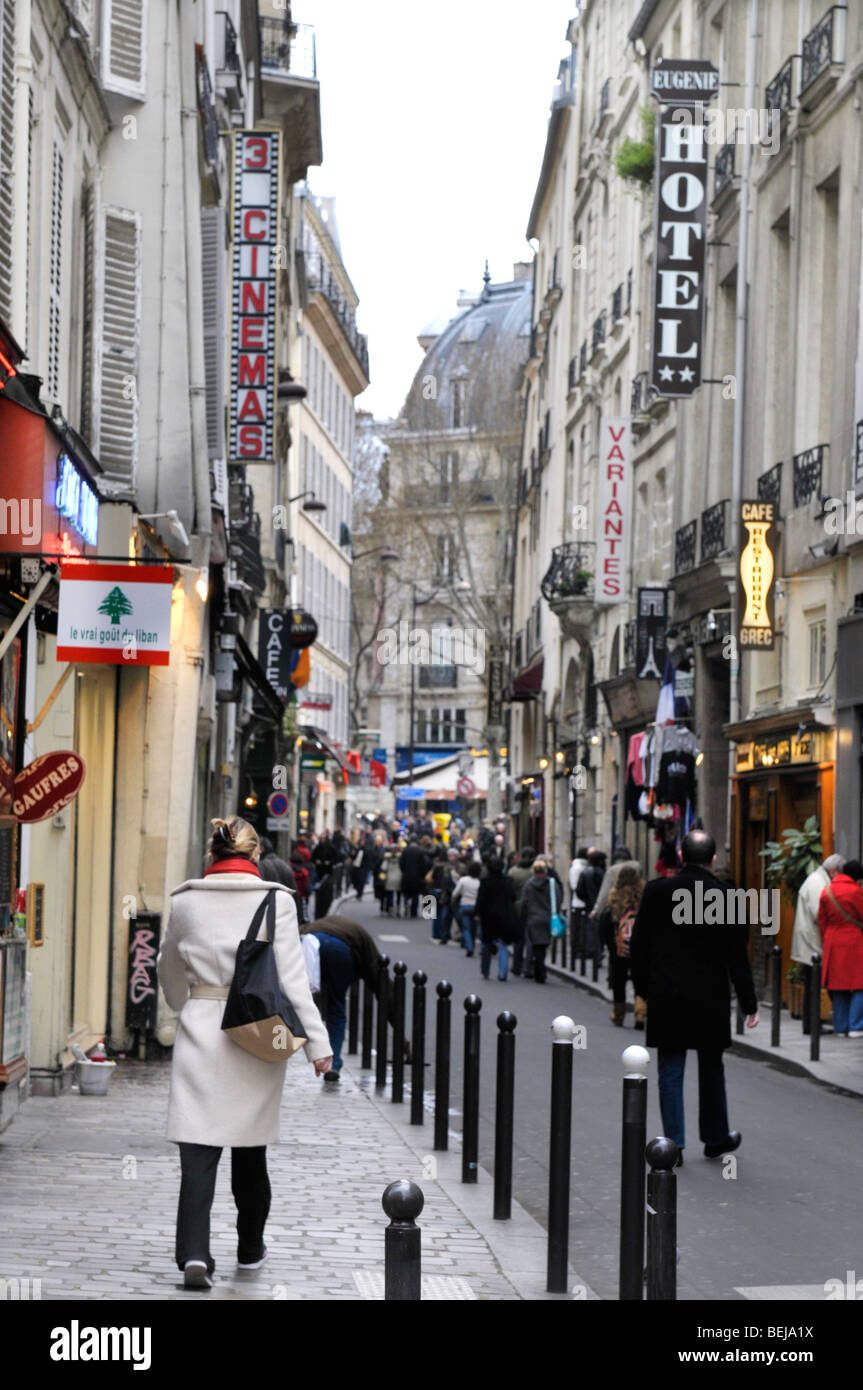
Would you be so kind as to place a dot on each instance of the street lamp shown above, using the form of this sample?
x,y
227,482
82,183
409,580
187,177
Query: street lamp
x,y
314,504
387,555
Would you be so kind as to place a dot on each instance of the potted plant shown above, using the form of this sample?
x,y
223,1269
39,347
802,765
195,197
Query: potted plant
x,y
576,585
795,978
789,863
634,159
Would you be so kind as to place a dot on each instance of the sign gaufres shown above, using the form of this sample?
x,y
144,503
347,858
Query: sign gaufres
x,y
255,215
114,614
681,222
46,785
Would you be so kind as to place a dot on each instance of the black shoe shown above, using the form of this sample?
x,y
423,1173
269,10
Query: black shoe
x,y
678,1162
726,1147
331,1078
196,1275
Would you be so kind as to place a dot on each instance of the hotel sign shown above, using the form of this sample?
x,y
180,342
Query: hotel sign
x,y
615,490
756,574
681,222
254,221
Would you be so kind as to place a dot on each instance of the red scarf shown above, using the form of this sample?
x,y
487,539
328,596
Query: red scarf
x,y
232,866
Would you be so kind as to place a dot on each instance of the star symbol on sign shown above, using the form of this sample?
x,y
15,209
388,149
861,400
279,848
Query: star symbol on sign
x,y
666,374
686,374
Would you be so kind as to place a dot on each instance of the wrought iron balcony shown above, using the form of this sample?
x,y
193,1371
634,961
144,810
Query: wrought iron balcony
x,y
777,94
245,533
714,530
320,279
723,169
823,46
598,335
582,359
684,547
858,453
572,376
571,572
617,304
807,474
642,395
604,97
629,639
629,289
769,485
229,60
207,109
288,48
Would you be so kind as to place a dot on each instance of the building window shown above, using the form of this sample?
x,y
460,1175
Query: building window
x,y
445,558
818,652
448,465
459,389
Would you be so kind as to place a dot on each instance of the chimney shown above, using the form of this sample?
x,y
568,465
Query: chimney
x,y
522,270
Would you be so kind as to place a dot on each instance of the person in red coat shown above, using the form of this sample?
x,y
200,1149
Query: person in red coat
x,y
840,920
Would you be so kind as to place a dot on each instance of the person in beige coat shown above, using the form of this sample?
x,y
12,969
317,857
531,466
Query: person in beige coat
x,y
222,1096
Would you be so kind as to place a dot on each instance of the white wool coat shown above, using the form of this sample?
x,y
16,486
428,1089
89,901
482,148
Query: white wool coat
x,y
221,1094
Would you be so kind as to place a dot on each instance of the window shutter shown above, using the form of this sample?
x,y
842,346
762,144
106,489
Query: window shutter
x,y
118,346
92,315
55,275
7,145
214,275
124,33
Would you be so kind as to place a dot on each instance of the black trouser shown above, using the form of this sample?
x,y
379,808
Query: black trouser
x,y
323,897
250,1186
807,999
539,963
619,969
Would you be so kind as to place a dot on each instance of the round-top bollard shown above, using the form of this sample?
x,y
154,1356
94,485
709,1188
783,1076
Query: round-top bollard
x,y
503,1116
776,999
441,1066
400,971
368,1024
815,1011
402,1201
662,1154
560,1147
383,1012
636,1061
418,1047
353,1018
470,1103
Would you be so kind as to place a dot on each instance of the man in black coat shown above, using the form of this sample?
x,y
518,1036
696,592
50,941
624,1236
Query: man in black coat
x,y
324,857
414,864
685,947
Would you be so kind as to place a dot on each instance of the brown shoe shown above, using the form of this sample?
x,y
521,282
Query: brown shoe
x,y
640,1012
618,1014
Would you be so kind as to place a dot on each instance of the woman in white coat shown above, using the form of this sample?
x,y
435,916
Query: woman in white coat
x,y
221,1095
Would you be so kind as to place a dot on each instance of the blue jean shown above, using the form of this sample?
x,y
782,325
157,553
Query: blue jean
x,y
847,1010
338,972
441,928
502,959
712,1102
465,917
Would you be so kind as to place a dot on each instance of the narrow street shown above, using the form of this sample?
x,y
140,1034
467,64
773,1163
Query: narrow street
x,y
784,1219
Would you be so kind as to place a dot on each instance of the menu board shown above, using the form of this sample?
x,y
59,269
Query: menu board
x,y
13,998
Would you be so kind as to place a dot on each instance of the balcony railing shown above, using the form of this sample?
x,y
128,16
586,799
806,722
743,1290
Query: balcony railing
x,y
572,375
288,48
714,530
723,169
230,57
582,359
858,453
820,49
807,474
629,638
617,304
684,547
571,572
604,97
777,94
518,651
320,279
642,394
629,289
207,109
598,334
769,485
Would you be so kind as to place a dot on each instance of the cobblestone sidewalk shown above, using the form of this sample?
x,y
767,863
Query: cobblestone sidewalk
x,y
88,1191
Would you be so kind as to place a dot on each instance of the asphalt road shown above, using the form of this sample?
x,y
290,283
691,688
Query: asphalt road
x,y
790,1216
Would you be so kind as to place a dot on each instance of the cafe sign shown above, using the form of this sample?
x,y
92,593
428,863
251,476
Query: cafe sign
x,y
255,224
756,574
681,87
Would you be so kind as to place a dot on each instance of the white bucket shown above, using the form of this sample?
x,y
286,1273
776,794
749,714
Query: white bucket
x,y
93,1077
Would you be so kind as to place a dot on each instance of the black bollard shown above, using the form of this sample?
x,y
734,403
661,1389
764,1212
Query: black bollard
x,y
400,971
402,1201
470,1103
584,951
354,1019
418,1048
383,1011
441,1066
560,1148
503,1116
776,989
597,955
631,1288
662,1154
368,1024
815,1011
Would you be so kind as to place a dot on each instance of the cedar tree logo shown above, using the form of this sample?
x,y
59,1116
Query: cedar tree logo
x,y
115,605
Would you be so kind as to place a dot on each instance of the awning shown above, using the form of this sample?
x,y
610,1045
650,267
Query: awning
x,y
527,684
439,780
254,674
314,735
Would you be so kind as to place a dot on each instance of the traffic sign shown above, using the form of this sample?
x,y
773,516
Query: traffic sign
x,y
277,804
465,787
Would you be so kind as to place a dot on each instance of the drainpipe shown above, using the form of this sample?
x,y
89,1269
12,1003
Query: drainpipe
x,y
21,126
737,455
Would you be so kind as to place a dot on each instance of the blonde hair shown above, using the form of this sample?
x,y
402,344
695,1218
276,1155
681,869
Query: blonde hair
x,y
232,839
539,866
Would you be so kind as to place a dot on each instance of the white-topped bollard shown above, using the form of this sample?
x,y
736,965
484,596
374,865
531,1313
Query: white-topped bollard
x,y
563,1034
632,1172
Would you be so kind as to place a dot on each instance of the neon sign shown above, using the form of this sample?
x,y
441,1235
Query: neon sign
x,y
76,501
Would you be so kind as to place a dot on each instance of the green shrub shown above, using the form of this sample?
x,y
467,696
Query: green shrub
x,y
634,159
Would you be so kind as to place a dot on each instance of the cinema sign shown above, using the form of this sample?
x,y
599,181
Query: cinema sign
x,y
681,86
254,220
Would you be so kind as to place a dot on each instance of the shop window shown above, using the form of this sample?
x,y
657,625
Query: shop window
x,y
818,652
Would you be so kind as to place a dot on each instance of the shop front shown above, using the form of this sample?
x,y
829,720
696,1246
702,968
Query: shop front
x,y
784,773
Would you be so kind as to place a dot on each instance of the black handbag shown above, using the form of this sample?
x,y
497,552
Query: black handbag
x,y
258,1016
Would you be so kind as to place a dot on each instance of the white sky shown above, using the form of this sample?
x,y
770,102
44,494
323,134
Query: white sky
x,y
434,119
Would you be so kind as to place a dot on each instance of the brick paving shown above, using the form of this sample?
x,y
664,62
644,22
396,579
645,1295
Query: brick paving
x,y
88,1191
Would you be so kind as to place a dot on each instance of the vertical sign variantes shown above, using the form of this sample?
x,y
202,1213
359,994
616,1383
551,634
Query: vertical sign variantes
x,y
254,221
681,86
615,489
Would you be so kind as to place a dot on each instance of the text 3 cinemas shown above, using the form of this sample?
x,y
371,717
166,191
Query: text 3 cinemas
x,y
253,318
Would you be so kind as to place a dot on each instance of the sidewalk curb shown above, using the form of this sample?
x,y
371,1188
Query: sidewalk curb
x,y
752,1051
519,1246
